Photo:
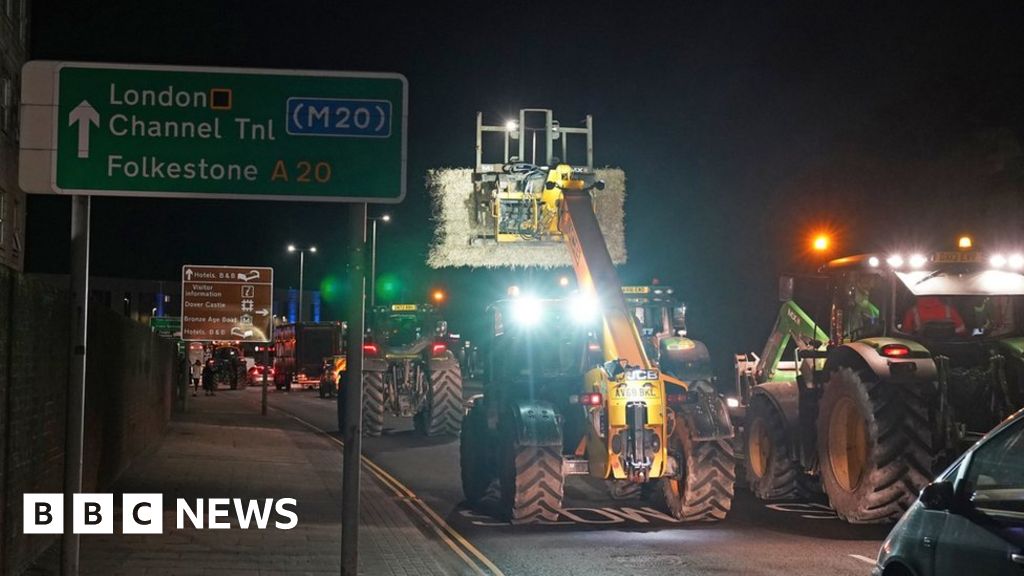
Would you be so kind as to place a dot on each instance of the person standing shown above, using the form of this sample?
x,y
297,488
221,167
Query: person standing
x,y
197,374
208,384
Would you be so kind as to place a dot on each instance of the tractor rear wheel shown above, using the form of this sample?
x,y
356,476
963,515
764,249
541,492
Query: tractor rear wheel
x,y
704,480
874,446
442,412
530,478
771,471
477,473
373,403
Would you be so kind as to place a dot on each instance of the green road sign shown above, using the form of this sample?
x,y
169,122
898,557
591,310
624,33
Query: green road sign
x,y
165,324
165,131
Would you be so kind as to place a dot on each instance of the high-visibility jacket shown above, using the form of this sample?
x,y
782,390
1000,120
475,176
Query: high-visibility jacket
x,y
931,309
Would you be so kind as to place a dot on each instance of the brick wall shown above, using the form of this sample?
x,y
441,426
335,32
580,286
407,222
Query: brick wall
x,y
129,380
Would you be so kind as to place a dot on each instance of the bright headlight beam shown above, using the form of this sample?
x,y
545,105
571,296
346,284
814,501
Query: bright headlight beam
x,y
997,261
917,261
526,311
584,309
895,261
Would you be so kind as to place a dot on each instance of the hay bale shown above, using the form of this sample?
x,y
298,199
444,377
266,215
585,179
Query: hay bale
x,y
451,191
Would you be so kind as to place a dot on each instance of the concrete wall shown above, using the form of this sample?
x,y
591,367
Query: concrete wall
x,y
128,401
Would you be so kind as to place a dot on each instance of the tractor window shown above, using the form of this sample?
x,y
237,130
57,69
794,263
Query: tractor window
x,y
862,297
401,329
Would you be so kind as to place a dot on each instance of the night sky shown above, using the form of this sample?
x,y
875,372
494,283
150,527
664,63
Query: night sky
x,y
742,128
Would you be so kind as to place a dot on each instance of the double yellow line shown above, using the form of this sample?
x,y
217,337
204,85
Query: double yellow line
x,y
473,557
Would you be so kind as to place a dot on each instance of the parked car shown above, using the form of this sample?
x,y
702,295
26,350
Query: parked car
x,y
971,519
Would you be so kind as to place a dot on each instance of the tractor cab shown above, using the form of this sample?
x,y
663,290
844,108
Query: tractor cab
x,y
945,297
538,341
406,328
661,321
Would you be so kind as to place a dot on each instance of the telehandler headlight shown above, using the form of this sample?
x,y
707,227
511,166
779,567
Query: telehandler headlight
x,y
918,261
895,261
584,309
526,311
997,261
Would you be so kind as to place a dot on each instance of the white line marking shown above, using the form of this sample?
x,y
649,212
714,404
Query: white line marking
x,y
862,558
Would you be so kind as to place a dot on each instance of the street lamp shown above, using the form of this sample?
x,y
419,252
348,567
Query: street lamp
x,y
302,264
373,258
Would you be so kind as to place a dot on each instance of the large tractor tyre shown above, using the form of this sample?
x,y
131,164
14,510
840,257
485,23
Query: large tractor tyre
x,y
772,472
702,487
442,413
874,446
531,480
476,468
373,403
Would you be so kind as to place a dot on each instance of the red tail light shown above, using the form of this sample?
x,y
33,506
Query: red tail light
x,y
592,399
370,349
439,349
676,398
894,351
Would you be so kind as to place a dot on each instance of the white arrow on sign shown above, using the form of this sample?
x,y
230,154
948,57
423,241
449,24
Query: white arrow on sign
x,y
188,274
85,115
262,312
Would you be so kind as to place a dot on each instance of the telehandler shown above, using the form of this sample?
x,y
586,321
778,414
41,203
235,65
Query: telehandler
x,y
569,388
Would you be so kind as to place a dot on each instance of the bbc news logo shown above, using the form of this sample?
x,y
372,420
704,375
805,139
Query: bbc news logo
x,y
144,513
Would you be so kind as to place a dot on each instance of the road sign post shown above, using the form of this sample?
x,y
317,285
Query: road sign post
x,y
75,419
233,303
352,420
171,131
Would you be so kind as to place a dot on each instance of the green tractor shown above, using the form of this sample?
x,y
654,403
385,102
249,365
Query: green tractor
x,y
661,320
408,371
891,368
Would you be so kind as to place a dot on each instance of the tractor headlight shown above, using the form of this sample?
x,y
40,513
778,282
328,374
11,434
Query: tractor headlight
x,y
584,308
526,311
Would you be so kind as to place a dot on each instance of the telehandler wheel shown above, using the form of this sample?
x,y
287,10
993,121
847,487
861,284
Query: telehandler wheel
x,y
442,414
874,445
373,403
771,471
530,478
477,473
704,480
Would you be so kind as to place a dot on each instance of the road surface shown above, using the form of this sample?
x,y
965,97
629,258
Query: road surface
x,y
596,535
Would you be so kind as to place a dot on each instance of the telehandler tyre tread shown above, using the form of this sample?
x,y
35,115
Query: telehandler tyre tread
x,y
703,488
532,484
442,415
774,475
897,451
373,403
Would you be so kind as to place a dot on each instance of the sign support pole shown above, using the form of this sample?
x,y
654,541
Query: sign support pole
x,y
80,207
263,394
353,406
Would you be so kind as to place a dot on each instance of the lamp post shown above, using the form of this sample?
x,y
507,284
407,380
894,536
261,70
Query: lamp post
x,y
302,265
373,258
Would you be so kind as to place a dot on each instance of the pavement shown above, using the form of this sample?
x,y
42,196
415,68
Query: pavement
x,y
224,448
